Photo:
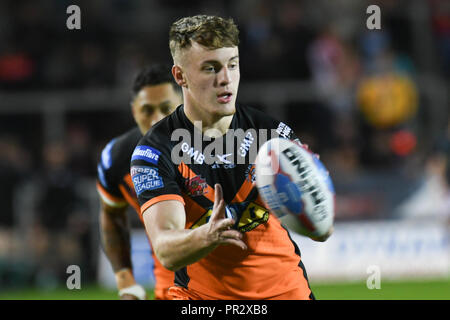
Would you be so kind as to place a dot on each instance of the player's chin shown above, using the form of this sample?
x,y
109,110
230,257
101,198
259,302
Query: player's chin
x,y
224,109
227,108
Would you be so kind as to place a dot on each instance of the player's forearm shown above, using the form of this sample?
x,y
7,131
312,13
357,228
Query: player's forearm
x,y
115,240
176,249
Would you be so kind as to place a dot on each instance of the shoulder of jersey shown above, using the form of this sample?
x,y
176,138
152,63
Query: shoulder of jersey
x,y
119,149
162,131
256,117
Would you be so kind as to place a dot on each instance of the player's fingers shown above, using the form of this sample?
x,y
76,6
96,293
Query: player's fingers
x,y
224,224
231,234
218,211
219,203
238,243
218,193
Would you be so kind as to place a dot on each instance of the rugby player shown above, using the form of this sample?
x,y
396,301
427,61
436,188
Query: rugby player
x,y
155,95
200,205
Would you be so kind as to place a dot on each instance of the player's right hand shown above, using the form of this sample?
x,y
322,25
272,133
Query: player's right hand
x,y
220,230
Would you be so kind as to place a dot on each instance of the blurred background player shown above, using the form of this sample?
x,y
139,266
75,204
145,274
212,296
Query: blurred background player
x,y
155,95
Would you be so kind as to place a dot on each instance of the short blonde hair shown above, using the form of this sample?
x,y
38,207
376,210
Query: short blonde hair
x,y
211,32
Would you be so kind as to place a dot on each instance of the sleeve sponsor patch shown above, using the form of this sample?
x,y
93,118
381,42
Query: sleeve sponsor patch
x,y
146,153
145,178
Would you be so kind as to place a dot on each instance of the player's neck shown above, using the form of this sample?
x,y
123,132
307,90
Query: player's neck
x,y
209,124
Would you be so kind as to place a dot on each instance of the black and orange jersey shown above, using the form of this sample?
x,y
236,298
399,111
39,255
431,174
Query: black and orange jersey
x,y
174,161
116,190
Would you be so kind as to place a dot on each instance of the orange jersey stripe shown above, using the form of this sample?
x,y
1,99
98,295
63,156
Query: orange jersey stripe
x,y
130,199
195,210
109,197
157,199
128,181
244,191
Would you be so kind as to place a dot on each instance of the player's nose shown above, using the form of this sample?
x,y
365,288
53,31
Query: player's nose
x,y
224,77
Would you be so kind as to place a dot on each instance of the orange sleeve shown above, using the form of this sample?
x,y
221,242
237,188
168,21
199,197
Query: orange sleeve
x,y
109,199
163,197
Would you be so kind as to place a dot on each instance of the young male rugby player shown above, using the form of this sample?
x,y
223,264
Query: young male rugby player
x,y
199,204
155,95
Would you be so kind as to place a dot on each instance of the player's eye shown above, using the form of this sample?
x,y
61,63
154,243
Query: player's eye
x,y
148,110
209,69
165,109
233,65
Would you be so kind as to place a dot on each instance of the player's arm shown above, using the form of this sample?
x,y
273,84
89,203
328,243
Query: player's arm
x,y
177,247
115,239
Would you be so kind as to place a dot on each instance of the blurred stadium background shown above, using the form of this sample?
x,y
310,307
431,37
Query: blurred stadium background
x,y
373,103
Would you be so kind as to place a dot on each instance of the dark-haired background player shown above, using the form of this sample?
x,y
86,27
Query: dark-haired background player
x,y
249,256
155,95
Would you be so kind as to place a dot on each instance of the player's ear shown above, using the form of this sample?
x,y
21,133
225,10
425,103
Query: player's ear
x,y
178,75
133,109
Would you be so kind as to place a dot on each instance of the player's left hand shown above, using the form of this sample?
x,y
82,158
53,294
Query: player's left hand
x,y
128,288
219,228
325,236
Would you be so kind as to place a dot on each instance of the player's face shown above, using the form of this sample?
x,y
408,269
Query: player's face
x,y
153,103
211,79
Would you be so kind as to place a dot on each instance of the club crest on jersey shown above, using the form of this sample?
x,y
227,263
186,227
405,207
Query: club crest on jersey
x,y
146,153
196,186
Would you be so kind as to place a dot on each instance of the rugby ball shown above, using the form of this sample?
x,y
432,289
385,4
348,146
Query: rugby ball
x,y
296,186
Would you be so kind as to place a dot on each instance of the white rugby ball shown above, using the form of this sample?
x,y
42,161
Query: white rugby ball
x,y
296,186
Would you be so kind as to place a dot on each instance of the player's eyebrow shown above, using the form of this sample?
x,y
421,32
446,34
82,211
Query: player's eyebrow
x,y
215,61
148,105
156,105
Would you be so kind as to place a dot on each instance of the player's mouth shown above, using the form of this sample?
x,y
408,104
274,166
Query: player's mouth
x,y
224,97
